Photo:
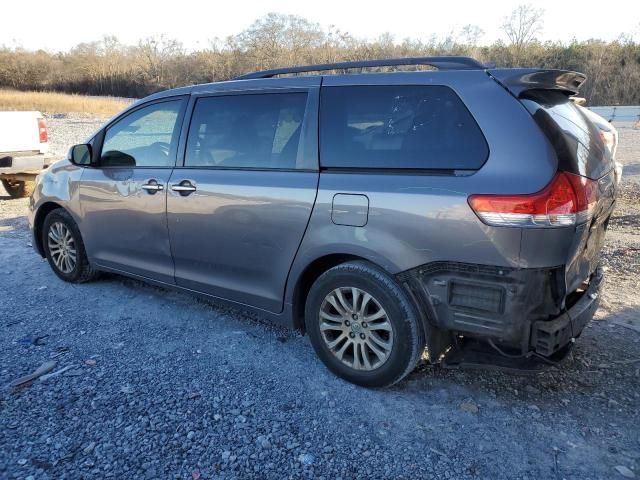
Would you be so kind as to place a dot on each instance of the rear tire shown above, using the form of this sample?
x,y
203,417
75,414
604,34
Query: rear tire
x,y
64,249
18,189
374,337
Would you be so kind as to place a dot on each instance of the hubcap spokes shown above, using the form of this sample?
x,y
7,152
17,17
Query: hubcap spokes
x,y
356,328
62,247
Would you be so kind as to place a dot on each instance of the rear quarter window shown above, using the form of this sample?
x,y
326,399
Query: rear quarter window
x,y
398,127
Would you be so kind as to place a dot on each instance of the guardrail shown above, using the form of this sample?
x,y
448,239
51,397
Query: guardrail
x,y
627,113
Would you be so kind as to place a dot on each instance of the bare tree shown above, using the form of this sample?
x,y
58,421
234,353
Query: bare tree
x,y
278,39
522,26
155,53
470,35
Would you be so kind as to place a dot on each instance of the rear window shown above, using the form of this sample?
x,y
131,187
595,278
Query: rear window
x,y
398,127
575,138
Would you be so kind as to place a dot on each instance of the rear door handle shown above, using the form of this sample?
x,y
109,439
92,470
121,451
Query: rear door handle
x,y
184,188
152,186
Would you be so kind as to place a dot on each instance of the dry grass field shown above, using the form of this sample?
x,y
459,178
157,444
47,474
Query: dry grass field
x,y
59,102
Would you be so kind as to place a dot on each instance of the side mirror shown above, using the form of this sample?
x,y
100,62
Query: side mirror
x,y
80,154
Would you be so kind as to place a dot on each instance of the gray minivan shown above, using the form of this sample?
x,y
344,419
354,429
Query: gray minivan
x,y
389,215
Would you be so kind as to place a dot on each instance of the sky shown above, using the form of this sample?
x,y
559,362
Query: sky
x,y
57,25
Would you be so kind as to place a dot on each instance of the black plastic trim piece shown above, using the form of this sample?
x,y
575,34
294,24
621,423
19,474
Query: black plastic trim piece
x,y
526,296
398,171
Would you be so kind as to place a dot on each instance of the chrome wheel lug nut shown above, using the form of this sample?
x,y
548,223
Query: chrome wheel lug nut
x,y
352,335
354,316
362,336
364,324
347,323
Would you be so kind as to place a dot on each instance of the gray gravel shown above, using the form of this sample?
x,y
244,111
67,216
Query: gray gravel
x,y
66,129
165,386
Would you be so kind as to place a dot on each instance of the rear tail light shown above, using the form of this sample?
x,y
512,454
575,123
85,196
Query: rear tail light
x,y
568,200
42,130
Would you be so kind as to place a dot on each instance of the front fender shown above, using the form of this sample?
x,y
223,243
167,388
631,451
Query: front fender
x,y
55,187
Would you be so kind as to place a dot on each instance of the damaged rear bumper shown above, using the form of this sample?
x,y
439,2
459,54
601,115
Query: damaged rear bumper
x,y
524,310
550,336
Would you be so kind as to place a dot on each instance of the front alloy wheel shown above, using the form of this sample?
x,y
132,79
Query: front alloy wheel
x,y
62,247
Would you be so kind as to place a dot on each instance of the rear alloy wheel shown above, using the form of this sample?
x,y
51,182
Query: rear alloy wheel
x,y
18,189
363,326
64,249
356,328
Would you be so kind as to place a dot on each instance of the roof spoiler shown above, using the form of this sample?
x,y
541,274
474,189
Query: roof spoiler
x,y
519,80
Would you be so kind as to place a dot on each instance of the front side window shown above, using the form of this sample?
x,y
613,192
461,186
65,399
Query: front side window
x,y
398,127
145,138
246,131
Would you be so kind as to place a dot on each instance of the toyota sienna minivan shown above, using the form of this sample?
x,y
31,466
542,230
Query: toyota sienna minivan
x,y
386,214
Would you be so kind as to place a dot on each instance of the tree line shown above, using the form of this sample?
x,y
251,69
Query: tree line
x,y
109,67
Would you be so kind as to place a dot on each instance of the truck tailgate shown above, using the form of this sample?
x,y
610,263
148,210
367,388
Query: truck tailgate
x,y
19,132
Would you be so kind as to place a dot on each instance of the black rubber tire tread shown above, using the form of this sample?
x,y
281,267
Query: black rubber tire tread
x,y
406,351
83,272
19,189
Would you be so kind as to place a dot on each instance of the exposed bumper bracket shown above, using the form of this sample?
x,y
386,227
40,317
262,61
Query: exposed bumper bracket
x,y
549,336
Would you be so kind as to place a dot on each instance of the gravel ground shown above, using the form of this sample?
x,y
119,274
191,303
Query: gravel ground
x,y
66,129
161,385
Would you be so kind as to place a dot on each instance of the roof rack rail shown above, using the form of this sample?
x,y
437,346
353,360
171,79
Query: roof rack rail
x,y
441,63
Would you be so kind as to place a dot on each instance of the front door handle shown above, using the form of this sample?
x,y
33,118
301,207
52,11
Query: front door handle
x,y
184,188
152,186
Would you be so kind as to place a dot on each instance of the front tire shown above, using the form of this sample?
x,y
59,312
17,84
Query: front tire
x,y
18,189
363,326
64,248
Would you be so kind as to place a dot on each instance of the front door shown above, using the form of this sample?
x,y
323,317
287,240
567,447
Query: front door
x,y
123,197
238,207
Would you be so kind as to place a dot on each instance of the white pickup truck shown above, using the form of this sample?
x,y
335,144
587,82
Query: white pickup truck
x,y
24,143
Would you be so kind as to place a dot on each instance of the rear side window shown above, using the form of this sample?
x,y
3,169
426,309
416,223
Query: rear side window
x,y
246,131
398,127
